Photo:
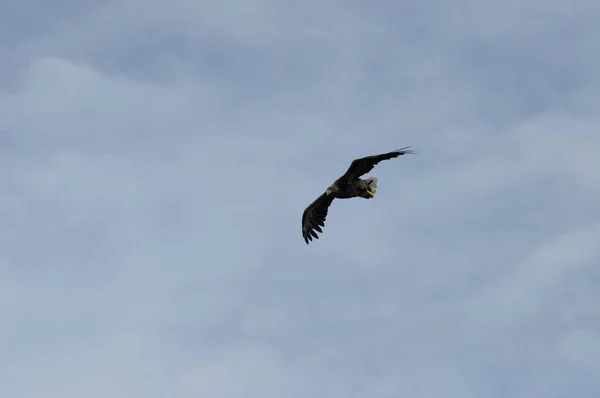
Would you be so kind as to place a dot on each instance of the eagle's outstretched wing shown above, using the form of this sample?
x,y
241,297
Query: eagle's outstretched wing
x,y
314,216
361,166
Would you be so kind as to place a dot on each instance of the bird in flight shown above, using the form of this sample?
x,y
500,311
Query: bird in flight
x,y
350,185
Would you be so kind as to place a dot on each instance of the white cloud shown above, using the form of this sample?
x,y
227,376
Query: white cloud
x,y
156,161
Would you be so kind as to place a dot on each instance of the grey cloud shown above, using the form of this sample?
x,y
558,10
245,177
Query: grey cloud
x,y
156,161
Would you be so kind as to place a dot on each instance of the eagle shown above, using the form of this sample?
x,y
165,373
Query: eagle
x,y
350,185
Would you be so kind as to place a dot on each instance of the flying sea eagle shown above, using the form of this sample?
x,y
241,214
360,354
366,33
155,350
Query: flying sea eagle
x,y
347,186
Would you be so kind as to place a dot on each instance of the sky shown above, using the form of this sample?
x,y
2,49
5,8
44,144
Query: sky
x,y
156,158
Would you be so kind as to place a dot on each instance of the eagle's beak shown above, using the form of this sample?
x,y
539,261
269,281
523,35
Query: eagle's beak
x,y
371,194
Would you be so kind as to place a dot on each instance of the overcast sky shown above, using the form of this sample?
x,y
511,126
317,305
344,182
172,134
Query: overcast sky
x,y
156,157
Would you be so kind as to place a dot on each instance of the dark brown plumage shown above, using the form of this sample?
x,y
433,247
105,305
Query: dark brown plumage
x,y
350,185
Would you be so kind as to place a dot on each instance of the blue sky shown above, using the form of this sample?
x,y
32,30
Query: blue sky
x,y
156,158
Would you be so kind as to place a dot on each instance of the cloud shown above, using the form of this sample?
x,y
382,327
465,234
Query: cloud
x,y
157,160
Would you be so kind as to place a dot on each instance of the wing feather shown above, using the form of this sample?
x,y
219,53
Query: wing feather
x,y
362,166
314,217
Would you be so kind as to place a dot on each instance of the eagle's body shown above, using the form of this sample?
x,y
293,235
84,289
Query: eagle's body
x,y
350,185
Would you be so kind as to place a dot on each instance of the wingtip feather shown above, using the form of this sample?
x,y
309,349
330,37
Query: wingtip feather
x,y
405,150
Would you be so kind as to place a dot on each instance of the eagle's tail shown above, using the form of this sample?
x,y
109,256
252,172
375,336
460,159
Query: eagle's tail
x,y
372,181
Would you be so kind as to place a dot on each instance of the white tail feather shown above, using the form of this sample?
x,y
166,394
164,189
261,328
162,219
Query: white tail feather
x,y
373,184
